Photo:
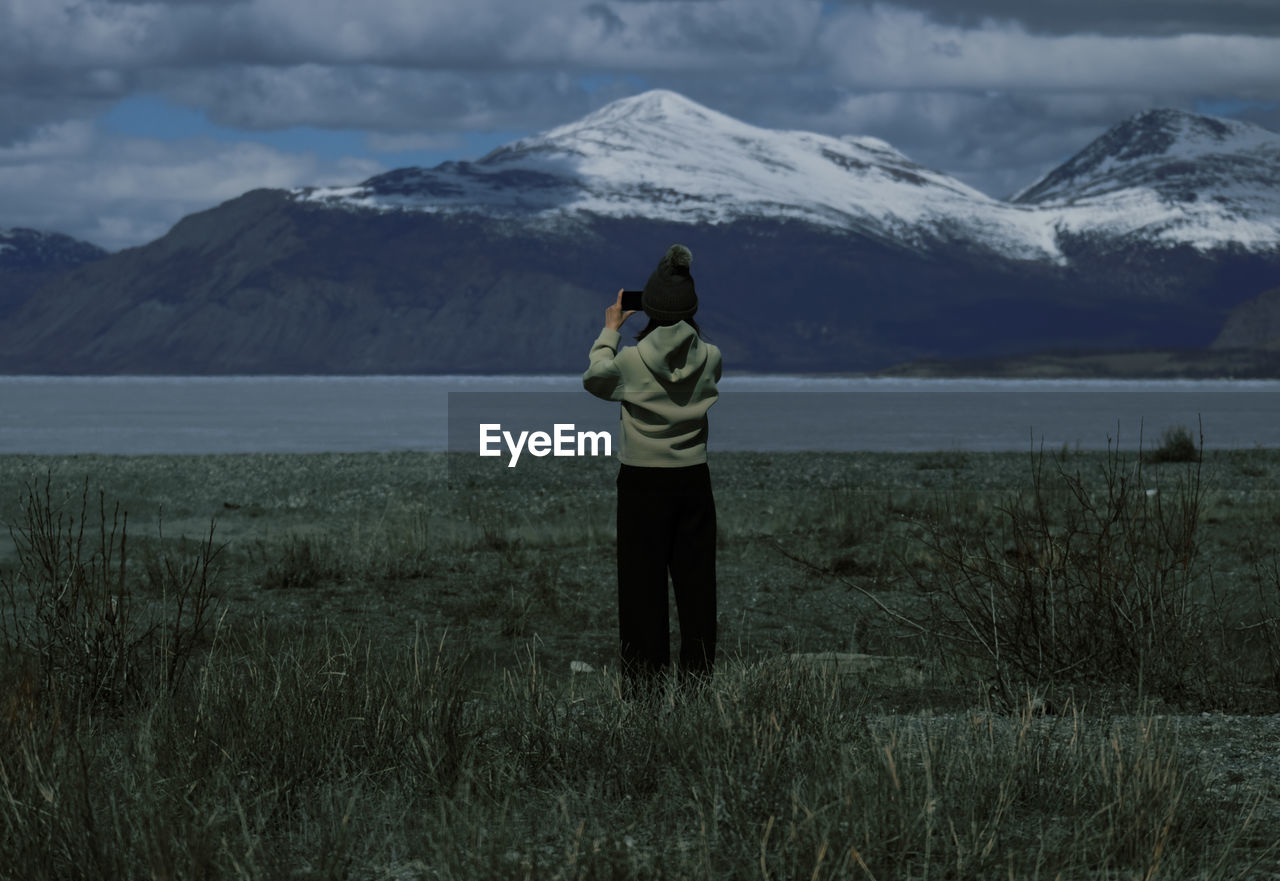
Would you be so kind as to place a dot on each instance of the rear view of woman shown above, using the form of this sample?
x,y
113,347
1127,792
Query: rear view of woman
x,y
666,511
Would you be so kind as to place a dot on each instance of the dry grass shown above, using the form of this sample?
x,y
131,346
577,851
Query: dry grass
x,y
323,754
385,691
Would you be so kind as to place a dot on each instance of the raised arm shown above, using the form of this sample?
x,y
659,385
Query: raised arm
x,y
603,377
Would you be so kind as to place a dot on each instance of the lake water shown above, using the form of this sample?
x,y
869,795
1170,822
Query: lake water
x,y
133,415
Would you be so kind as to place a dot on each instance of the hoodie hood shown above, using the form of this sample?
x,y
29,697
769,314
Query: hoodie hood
x,y
673,353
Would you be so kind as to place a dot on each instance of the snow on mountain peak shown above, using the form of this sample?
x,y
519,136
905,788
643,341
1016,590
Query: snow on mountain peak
x,y
8,236
1164,132
1167,176
1153,148
661,156
656,105
1172,178
657,120
30,248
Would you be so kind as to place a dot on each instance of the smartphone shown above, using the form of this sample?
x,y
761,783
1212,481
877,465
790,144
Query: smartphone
x,y
632,301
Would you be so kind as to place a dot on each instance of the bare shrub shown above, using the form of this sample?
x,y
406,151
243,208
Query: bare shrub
x,y
1077,579
1267,575
69,606
185,582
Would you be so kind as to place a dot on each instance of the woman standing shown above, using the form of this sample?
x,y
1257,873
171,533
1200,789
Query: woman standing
x,y
666,512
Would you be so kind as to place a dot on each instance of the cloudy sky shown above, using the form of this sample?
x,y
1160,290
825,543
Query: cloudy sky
x,y
119,117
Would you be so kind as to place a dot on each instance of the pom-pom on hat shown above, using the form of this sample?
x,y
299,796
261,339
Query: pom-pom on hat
x,y
669,294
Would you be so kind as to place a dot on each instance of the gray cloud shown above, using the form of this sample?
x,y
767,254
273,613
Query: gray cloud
x,y
266,63
993,91
894,48
609,20
1111,17
380,99
995,142
431,35
118,191
23,114
280,60
175,2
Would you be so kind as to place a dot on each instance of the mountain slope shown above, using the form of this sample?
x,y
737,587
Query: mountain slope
x,y
811,254
30,258
1254,324
31,249
265,284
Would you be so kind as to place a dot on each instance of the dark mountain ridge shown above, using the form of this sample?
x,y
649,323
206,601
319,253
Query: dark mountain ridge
x,y
506,264
30,259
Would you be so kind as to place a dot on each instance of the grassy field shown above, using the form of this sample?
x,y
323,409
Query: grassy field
x,y
396,666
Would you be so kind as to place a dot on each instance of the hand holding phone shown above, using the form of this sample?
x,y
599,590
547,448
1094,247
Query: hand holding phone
x,y
632,301
619,311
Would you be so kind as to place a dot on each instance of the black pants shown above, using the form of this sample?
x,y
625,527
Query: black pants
x,y
666,524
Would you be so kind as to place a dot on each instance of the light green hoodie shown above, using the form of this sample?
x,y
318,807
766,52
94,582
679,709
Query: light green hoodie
x,y
666,384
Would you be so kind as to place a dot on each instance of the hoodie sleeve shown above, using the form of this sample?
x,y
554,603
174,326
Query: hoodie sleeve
x,y
603,377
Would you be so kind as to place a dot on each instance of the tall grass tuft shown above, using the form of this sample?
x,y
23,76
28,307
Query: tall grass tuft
x,y
392,547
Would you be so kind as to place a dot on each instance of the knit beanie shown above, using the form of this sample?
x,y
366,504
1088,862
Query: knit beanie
x,y
669,294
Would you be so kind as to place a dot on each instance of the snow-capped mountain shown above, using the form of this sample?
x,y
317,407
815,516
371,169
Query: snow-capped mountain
x,y
812,253
659,156
1171,152
1173,177
1169,177
32,249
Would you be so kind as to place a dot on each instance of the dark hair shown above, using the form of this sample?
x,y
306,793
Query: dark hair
x,y
655,323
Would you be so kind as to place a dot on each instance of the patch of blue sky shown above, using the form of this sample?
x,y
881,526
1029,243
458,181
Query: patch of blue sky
x,y
592,83
1231,106
147,116
153,117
